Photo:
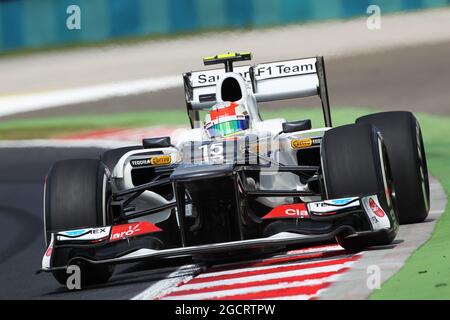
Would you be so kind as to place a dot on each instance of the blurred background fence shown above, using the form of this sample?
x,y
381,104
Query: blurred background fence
x,y
42,23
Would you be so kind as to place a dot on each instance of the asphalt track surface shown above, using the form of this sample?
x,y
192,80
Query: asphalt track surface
x,y
22,247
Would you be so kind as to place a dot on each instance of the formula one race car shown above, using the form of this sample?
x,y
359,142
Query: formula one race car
x,y
236,184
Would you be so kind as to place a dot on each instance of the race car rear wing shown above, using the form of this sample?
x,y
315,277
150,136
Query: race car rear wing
x,y
271,81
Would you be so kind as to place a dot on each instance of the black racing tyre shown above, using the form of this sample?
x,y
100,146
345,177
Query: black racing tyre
x,y
111,157
353,165
403,139
75,197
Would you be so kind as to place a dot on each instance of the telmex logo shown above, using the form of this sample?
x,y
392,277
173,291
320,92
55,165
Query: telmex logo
x,y
74,233
83,232
341,201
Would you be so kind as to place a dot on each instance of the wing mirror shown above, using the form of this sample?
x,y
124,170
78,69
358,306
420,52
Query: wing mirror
x,y
160,142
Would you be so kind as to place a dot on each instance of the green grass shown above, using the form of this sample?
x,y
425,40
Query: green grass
x,y
57,126
426,274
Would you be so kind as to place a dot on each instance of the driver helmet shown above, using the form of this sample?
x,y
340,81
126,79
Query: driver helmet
x,y
225,119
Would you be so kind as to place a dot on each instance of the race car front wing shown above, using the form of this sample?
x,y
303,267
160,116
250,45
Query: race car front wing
x,y
132,242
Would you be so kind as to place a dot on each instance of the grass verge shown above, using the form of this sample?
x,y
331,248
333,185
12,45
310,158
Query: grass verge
x,y
426,274
57,126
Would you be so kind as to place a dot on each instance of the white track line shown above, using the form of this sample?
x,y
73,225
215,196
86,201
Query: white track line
x,y
175,283
292,253
262,277
233,292
164,287
16,104
261,268
216,288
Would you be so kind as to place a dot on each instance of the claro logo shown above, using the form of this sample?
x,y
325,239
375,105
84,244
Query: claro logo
x,y
297,212
292,211
129,230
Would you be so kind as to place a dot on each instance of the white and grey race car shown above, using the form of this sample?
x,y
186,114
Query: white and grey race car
x,y
275,185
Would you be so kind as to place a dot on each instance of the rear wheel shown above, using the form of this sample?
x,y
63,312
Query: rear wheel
x,y
404,143
355,163
76,192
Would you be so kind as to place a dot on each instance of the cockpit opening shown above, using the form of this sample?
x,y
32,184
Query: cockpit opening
x,y
231,90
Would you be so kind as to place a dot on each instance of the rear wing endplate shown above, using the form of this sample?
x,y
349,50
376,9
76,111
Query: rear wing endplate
x,y
298,78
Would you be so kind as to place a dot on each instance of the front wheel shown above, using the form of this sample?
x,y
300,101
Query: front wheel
x,y
75,197
404,143
355,163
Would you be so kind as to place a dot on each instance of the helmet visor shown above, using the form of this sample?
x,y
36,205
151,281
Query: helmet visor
x,y
226,128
